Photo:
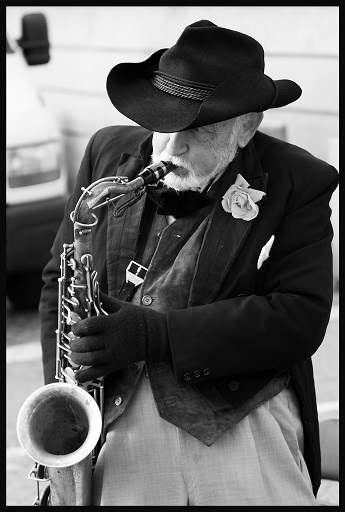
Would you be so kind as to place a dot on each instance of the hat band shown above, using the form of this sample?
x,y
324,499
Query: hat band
x,y
177,87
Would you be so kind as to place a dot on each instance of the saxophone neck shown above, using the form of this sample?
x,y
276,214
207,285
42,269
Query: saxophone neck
x,y
116,187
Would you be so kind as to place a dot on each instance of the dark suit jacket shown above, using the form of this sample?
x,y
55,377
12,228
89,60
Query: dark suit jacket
x,y
243,325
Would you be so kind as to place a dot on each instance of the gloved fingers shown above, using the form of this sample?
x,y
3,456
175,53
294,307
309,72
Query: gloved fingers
x,y
85,344
91,373
90,326
88,358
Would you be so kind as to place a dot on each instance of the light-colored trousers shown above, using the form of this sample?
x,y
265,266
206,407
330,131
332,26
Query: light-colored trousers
x,y
147,461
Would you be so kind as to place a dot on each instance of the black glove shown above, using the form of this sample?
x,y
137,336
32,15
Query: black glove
x,y
126,335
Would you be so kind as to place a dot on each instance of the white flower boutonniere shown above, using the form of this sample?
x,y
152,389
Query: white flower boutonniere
x,y
240,199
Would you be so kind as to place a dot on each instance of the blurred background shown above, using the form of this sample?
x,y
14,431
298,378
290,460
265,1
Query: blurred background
x,y
55,104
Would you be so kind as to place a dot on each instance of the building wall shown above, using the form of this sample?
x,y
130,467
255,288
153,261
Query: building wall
x,y
301,43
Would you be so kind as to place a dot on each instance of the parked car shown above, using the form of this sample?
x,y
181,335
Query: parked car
x,y
36,177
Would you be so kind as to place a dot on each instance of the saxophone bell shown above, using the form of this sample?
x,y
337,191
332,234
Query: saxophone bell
x,y
58,426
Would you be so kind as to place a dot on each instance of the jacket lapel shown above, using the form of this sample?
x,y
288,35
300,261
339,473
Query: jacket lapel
x,y
122,234
225,235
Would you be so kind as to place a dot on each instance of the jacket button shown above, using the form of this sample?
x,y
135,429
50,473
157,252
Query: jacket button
x,y
197,373
234,385
133,368
207,371
146,300
187,376
118,401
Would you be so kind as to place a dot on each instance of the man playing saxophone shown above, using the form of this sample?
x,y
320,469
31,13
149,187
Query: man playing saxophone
x,y
217,285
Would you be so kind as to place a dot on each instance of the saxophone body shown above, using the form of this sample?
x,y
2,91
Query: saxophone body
x,y
60,425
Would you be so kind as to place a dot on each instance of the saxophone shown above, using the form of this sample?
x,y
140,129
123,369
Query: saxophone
x,y
60,425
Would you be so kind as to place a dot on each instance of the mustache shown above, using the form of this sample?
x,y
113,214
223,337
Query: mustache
x,y
176,160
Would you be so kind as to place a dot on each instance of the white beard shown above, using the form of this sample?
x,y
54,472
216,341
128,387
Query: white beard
x,y
193,181
190,182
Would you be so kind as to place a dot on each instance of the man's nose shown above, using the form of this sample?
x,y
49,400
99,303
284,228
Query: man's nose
x,y
177,144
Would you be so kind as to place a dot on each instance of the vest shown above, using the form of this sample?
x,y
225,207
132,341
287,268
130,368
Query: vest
x,y
175,249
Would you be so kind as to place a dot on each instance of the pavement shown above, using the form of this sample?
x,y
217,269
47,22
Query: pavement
x,y
24,375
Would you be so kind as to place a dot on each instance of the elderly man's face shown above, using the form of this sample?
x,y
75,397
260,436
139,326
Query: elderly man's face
x,y
200,154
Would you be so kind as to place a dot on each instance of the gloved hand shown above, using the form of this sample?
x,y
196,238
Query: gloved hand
x,y
128,334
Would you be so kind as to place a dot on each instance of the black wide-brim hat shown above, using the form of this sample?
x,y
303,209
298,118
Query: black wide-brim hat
x,y
211,74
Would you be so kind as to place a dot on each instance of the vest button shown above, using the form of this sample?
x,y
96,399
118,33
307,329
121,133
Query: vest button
x,y
118,401
133,368
197,373
187,376
207,371
146,300
234,385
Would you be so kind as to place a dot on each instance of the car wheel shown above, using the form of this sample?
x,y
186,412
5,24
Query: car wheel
x,y
24,289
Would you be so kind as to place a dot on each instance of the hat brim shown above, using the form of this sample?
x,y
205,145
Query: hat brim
x,y
133,94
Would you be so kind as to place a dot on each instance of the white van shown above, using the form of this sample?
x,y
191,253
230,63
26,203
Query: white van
x,y
36,178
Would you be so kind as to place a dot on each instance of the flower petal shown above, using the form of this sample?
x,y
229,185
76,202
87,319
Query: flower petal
x,y
226,204
241,182
256,195
251,214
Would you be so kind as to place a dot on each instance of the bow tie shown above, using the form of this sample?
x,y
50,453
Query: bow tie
x,y
177,204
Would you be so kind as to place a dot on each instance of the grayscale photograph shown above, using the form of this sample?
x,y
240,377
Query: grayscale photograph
x,y
172,256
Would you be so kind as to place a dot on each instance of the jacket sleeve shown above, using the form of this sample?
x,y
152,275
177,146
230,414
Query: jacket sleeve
x,y
286,320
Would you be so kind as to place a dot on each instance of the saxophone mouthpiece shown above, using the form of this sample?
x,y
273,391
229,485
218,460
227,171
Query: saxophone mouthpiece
x,y
155,172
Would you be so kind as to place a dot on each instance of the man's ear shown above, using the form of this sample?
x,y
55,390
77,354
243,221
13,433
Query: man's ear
x,y
250,125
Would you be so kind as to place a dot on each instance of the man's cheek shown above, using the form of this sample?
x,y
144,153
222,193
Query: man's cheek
x,y
159,142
